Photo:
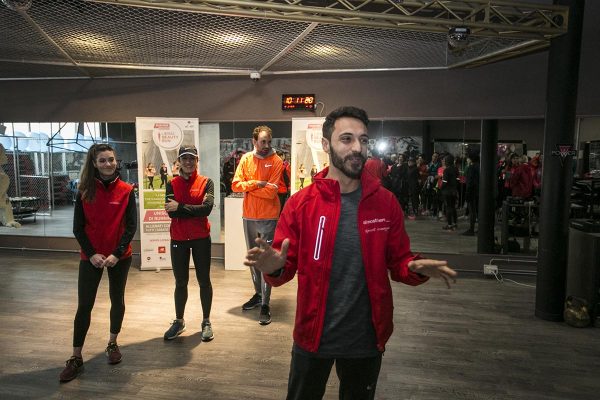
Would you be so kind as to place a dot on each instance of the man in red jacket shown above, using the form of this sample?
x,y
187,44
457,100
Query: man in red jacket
x,y
345,237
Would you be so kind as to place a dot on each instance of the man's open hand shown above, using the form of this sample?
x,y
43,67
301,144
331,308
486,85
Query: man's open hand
x,y
265,258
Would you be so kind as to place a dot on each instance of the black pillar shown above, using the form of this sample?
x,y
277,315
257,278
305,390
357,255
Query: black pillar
x,y
427,145
487,187
561,102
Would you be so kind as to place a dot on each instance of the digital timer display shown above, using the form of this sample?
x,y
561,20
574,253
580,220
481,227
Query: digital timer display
x,y
298,102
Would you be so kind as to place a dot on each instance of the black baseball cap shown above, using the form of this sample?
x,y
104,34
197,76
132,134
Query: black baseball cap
x,y
191,150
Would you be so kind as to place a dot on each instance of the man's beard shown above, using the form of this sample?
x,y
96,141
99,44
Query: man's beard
x,y
264,151
340,163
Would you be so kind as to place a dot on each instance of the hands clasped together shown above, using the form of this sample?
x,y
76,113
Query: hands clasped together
x,y
100,261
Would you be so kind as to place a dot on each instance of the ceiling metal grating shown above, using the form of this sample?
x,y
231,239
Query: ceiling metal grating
x,y
116,38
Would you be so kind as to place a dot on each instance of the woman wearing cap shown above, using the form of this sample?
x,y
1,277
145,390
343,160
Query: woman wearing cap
x,y
189,201
104,223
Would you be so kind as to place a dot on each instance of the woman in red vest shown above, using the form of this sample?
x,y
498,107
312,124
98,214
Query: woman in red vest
x,y
104,223
189,201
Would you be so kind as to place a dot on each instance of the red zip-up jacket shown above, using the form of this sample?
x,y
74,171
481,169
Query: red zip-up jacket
x,y
310,219
196,199
107,224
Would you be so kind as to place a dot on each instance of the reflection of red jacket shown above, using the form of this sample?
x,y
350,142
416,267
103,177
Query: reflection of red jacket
x,y
521,181
310,222
376,167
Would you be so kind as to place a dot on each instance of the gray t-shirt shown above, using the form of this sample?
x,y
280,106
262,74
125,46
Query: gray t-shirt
x,y
348,330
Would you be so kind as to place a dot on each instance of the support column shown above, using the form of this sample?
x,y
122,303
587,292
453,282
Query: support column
x,y
427,145
487,187
561,103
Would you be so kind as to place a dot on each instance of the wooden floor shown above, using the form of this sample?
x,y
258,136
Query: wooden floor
x,y
479,340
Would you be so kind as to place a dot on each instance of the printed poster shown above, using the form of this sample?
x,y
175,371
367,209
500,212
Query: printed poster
x,y
159,140
307,151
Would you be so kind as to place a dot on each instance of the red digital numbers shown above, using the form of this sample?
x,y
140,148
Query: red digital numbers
x,y
298,102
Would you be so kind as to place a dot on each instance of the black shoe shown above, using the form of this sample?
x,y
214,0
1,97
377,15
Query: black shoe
x,y
468,232
265,315
176,329
254,302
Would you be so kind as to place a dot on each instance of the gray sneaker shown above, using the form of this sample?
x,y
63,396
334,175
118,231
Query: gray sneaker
x,y
177,327
207,332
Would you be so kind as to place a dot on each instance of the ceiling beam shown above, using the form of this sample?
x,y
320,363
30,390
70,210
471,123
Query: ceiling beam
x,y
486,18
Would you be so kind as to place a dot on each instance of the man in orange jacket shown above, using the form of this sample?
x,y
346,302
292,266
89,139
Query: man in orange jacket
x,y
258,176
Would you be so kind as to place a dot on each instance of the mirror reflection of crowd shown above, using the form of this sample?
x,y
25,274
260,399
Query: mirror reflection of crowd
x,y
447,183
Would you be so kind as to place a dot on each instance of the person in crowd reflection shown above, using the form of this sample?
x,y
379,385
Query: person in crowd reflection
x,y
284,184
423,170
150,173
521,180
378,169
302,175
412,177
258,176
313,172
536,174
175,168
433,202
228,173
344,300
104,222
438,189
163,175
399,177
512,163
472,192
449,191
189,199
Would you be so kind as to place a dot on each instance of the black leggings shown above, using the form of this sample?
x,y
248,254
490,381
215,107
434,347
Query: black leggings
x,y
89,279
450,201
180,260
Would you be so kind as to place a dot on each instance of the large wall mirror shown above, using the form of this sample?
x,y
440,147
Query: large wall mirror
x,y
43,162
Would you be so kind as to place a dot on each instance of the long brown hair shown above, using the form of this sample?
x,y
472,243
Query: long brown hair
x,y
87,183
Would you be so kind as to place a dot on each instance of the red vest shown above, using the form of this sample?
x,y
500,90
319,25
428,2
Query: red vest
x,y
190,191
105,217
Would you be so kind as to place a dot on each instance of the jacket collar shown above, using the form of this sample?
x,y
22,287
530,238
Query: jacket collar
x,y
107,183
330,188
191,178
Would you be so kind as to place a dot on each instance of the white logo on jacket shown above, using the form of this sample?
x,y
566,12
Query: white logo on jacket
x,y
377,225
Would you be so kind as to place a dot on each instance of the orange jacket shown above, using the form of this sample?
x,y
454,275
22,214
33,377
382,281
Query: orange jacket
x,y
259,203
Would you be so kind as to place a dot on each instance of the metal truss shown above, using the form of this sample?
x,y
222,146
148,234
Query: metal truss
x,y
485,18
